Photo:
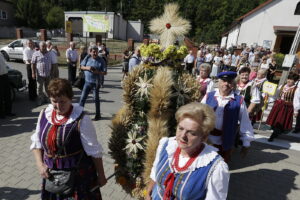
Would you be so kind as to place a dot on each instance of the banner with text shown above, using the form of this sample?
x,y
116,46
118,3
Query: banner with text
x,y
95,23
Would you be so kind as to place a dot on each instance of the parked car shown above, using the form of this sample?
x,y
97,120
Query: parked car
x,y
17,83
14,50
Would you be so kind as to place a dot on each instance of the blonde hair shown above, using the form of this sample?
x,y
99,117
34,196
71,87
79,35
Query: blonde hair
x,y
263,72
199,112
206,67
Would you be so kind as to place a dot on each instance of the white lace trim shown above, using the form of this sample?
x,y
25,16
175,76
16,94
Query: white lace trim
x,y
77,110
207,155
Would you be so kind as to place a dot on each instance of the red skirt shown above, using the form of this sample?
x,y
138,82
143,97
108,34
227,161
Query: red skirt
x,y
281,115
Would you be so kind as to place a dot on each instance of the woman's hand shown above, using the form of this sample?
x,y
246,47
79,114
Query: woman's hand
x,y
43,170
102,181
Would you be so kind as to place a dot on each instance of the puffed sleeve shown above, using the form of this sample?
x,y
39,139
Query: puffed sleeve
x,y
210,86
255,95
246,129
162,141
89,138
35,140
296,101
218,182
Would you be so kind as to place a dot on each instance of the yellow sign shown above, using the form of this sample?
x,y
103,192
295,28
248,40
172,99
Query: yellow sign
x,y
68,26
269,88
95,23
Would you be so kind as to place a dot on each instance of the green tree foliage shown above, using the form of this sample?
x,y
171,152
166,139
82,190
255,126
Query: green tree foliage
x,y
209,18
28,13
55,17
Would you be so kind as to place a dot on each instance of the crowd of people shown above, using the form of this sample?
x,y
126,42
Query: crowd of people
x,y
65,138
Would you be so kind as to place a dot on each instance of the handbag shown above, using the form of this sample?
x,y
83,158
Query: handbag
x,y
80,80
62,181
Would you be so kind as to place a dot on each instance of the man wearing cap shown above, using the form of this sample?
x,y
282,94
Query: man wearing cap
x,y
230,110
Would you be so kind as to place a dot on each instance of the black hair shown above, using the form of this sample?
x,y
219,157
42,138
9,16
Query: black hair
x,y
245,69
293,76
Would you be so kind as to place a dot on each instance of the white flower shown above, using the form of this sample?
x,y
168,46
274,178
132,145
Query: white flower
x,y
144,86
133,143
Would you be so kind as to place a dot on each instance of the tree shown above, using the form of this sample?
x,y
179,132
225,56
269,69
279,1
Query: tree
x,y
28,13
55,18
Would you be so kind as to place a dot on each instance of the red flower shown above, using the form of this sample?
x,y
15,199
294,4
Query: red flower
x,y
168,25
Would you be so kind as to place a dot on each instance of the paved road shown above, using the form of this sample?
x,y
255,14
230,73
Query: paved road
x,y
270,171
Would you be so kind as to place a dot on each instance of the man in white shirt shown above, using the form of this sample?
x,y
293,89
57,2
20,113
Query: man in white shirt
x,y
27,56
135,59
54,54
208,56
235,59
189,62
5,95
230,110
72,58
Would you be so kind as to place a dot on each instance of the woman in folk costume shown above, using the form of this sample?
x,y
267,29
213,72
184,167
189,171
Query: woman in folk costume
x,y
185,167
259,83
247,89
287,104
65,139
207,85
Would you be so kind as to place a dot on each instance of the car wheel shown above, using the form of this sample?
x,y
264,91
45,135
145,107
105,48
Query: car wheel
x,y
12,93
5,55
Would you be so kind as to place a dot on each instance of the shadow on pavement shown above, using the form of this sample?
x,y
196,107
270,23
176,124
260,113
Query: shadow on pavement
x,y
8,193
255,156
25,120
263,184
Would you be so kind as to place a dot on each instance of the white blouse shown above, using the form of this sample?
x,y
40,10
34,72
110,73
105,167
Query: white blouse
x,y
246,129
217,183
87,131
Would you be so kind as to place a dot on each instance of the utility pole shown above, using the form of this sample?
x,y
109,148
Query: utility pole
x,y
293,51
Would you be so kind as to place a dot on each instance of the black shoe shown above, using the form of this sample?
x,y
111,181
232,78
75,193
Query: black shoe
x,y
296,131
97,117
11,114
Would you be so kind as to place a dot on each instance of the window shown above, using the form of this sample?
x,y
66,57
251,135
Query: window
x,y
297,11
3,14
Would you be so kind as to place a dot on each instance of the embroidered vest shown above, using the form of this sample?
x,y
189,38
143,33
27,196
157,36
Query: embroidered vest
x,y
203,87
287,95
191,185
246,93
71,150
230,118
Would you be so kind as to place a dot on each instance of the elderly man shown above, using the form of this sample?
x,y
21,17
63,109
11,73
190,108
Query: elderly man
x,y
189,62
41,68
72,58
230,110
54,54
135,59
93,66
27,56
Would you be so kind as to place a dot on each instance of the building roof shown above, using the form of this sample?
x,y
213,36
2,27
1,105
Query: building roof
x,y
238,20
254,10
88,12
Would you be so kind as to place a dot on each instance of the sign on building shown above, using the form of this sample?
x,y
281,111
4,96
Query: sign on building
x,y
68,26
95,23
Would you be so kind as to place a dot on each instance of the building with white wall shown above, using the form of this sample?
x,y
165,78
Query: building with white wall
x,y
115,26
273,25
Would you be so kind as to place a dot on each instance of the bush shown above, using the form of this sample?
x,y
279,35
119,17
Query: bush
x,y
279,57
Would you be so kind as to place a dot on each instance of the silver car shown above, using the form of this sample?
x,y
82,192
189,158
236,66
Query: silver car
x,y
14,50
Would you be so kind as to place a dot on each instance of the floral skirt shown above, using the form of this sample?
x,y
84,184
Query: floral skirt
x,y
86,180
281,115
